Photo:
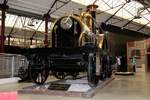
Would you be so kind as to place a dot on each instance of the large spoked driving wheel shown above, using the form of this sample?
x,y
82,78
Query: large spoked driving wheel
x,y
39,69
39,76
92,78
106,68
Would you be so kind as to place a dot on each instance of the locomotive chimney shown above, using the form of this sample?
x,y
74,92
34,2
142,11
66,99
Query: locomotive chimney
x,y
92,10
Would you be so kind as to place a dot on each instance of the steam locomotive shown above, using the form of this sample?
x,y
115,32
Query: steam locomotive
x,y
78,45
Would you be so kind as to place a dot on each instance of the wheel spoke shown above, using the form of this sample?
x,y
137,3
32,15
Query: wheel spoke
x,y
39,71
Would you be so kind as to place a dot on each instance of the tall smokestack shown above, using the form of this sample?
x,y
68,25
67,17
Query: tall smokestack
x,y
92,10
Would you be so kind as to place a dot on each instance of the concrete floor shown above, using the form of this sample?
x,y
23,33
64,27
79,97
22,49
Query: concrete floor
x,y
135,87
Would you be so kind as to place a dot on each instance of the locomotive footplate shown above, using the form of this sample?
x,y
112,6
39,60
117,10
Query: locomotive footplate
x,y
67,87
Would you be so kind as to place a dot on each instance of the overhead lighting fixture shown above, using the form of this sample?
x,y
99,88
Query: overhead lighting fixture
x,y
137,17
128,1
139,11
31,22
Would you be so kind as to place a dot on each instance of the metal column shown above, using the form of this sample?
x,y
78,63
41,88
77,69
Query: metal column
x,y
46,18
3,8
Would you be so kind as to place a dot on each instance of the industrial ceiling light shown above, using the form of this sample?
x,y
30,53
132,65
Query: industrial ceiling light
x,y
137,17
31,22
128,1
139,11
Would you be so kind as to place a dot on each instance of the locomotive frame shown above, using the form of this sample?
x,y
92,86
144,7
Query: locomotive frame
x,y
78,45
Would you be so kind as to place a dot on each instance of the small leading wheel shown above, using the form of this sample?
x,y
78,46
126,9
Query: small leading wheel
x,y
39,69
92,78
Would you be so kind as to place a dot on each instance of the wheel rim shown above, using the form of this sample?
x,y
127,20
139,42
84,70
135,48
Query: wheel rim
x,y
39,76
92,79
39,71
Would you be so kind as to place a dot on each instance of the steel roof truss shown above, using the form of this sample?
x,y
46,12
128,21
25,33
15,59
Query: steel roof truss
x,y
57,7
115,13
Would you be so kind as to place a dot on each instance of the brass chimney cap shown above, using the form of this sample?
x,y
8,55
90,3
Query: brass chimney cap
x,y
92,7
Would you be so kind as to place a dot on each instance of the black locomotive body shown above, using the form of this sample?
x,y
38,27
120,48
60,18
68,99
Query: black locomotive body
x,y
75,48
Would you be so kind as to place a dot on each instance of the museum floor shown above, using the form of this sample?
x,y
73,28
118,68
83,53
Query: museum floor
x,y
135,87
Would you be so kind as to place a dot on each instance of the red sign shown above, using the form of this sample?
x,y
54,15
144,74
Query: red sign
x,y
8,95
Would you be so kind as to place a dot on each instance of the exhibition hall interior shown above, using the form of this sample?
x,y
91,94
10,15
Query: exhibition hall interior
x,y
74,49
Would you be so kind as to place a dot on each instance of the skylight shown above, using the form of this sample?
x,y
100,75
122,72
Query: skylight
x,y
23,23
128,11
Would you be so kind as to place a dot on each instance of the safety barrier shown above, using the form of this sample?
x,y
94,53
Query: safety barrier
x,y
10,64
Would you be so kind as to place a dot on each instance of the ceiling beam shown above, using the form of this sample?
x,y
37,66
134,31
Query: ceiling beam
x,y
95,2
27,14
55,1
115,13
108,9
143,26
144,2
24,13
57,7
132,19
128,22
10,33
106,4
